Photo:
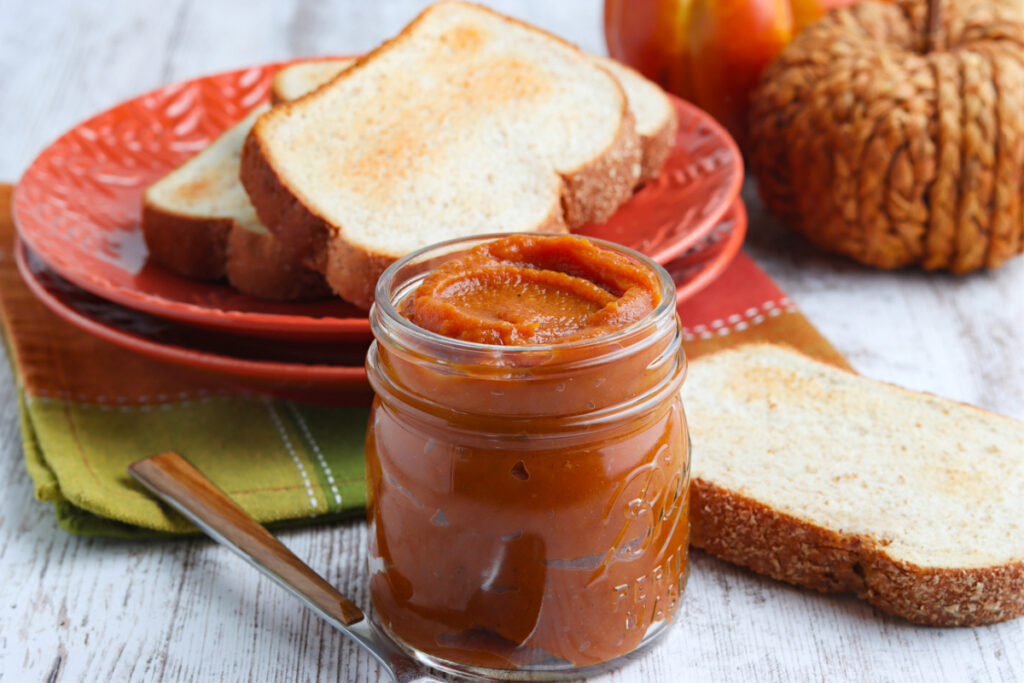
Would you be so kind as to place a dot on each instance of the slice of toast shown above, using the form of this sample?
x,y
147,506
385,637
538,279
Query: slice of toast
x,y
188,214
466,123
198,222
825,479
653,113
295,80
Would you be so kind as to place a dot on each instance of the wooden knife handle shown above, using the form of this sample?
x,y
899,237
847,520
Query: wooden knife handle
x,y
185,488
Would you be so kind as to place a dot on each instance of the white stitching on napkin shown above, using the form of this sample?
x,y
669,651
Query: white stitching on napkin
x,y
291,450
316,450
737,322
99,400
105,405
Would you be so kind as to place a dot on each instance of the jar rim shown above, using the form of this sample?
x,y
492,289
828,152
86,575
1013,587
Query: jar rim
x,y
384,306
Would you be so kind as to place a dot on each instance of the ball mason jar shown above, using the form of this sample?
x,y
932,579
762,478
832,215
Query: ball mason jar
x,y
528,505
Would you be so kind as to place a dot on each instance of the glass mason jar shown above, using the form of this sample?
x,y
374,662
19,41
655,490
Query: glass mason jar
x,y
528,504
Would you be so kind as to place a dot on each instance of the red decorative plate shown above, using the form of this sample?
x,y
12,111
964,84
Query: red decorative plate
x,y
78,205
299,367
703,262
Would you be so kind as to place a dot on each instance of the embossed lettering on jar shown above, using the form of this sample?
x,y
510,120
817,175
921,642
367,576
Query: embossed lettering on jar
x,y
528,503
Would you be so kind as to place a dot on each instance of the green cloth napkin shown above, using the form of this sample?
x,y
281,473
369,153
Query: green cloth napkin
x,y
281,461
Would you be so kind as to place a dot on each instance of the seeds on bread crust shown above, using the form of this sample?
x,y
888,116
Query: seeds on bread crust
x,y
743,531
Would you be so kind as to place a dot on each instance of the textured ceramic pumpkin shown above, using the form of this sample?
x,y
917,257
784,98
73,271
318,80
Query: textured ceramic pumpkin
x,y
896,147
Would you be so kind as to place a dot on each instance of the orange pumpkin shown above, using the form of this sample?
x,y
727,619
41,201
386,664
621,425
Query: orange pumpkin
x,y
710,52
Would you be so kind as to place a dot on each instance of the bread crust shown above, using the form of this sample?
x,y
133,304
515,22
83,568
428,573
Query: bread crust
x,y
187,245
302,233
655,149
257,265
593,192
743,531
212,249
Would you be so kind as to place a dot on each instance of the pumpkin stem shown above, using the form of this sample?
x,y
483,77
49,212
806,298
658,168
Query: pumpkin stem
x,y
931,41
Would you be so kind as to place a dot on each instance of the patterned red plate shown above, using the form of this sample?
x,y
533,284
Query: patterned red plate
x,y
304,368
300,368
696,268
298,365
78,205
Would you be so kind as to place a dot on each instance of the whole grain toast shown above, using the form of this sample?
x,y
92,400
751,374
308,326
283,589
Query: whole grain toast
x,y
198,222
466,123
832,481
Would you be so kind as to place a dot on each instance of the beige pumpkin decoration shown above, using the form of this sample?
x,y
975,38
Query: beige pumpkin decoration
x,y
894,133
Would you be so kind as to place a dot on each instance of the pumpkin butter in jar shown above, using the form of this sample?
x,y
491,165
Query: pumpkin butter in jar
x,y
527,455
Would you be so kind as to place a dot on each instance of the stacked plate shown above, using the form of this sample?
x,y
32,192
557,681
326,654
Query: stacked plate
x,y
81,251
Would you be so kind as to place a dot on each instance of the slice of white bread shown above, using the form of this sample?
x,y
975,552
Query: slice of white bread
x,y
198,222
466,123
295,80
188,214
829,480
653,113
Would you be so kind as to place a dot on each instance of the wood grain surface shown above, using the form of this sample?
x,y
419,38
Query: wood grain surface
x,y
74,609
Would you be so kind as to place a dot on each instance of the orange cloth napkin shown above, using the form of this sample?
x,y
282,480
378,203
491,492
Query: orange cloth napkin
x,y
89,408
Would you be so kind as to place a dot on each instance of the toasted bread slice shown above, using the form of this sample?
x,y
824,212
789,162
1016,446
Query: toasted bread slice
x,y
301,78
198,222
257,265
466,123
653,113
188,214
825,479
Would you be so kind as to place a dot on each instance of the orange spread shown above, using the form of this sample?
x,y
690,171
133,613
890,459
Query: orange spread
x,y
534,290
525,513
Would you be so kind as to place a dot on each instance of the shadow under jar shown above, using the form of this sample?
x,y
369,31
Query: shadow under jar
x,y
528,503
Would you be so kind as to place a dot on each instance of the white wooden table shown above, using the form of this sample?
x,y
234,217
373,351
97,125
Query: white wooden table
x,y
77,609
